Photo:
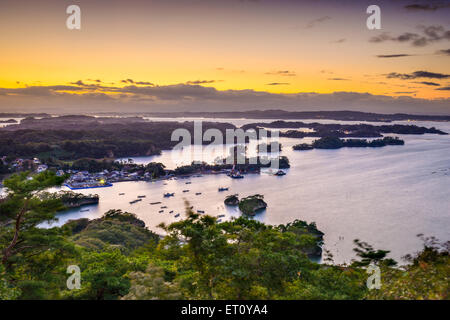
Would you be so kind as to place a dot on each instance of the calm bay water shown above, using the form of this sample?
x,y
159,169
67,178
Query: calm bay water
x,y
384,196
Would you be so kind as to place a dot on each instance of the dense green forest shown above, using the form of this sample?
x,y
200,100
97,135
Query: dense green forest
x,y
75,137
198,258
336,143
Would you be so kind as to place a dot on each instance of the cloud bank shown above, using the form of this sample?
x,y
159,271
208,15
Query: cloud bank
x,y
82,97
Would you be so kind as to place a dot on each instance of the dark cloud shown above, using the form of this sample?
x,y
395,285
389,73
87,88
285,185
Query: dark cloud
x,y
444,51
429,34
317,21
278,84
418,74
131,81
429,83
285,73
78,83
427,6
38,90
202,81
405,92
393,55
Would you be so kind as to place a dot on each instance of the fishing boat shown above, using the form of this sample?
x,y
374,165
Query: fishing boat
x,y
223,189
177,215
166,195
280,173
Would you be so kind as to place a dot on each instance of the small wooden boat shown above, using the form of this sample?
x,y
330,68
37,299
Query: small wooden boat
x,y
280,173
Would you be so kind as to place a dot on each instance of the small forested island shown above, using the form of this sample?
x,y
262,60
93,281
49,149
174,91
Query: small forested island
x,y
232,200
9,121
252,204
251,165
71,199
336,143
361,130
194,258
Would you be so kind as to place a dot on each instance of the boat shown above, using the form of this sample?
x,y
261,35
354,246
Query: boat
x,y
160,211
219,220
158,202
188,182
84,210
171,211
280,173
185,190
236,175
220,216
121,194
166,195
198,193
141,197
223,189
200,211
163,207
134,201
177,215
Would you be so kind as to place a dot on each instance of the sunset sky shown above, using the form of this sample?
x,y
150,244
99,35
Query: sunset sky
x,y
211,55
